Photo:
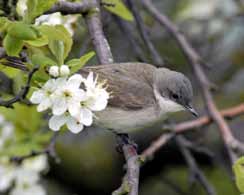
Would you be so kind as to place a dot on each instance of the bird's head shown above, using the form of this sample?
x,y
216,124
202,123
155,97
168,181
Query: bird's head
x,y
173,91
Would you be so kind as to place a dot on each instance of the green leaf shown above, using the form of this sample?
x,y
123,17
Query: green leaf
x,y
41,75
24,118
36,8
39,42
77,64
58,33
12,45
42,60
238,168
22,31
4,24
119,9
57,49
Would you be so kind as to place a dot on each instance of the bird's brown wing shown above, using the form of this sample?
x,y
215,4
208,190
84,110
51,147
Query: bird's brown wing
x,y
129,83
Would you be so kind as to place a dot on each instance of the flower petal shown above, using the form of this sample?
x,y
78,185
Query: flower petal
x,y
75,81
74,108
80,95
99,104
59,105
37,96
56,122
50,85
60,82
74,126
85,117
7,175
45,104
89,80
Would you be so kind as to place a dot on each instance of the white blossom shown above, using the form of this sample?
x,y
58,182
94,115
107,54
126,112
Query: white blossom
x,y
57,19
97,96
43,95
7,176
19,179
27,177
28,190
73,124
37,164
6,133
71,105
54,71
68,96
64,70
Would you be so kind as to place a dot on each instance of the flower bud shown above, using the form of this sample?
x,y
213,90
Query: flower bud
x,y
64,70
54,71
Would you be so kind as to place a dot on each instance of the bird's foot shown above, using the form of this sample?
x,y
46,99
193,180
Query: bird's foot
x,y
123,139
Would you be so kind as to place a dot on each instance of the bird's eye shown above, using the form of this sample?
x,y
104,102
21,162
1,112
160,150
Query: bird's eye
x,y
175,96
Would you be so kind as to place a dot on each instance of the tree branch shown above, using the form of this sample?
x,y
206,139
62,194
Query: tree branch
x,y
130,182
100,43
229,113
196,62
23,92
205,120
66,7
155,57
149,152
195,171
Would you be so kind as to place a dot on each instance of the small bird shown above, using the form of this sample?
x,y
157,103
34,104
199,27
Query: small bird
x,y
141,95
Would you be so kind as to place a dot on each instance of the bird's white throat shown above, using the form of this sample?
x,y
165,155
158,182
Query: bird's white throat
x,y
166,105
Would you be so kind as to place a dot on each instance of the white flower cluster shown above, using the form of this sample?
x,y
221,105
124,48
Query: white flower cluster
x,y
22,179
70,104
50,19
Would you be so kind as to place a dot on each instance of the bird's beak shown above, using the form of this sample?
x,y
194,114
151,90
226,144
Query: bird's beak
x,y
192,110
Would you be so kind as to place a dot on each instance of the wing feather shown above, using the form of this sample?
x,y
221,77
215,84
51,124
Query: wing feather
x,y
129,83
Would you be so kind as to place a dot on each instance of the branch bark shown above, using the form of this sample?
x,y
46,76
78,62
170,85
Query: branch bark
x,y
66,7
130,181
100,43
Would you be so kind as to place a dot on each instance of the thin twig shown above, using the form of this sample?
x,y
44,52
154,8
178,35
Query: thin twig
x,y
149,152
23,92
124,27
49,150
196,62
157,144
155,57
11,61
228,113
195,172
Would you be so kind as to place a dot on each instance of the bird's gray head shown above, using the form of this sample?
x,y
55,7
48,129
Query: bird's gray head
x,y
173,91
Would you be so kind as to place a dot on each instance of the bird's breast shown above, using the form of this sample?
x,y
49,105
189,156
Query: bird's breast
x,y
125,121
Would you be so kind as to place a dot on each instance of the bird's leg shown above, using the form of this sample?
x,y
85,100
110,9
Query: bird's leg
x,y
123,139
